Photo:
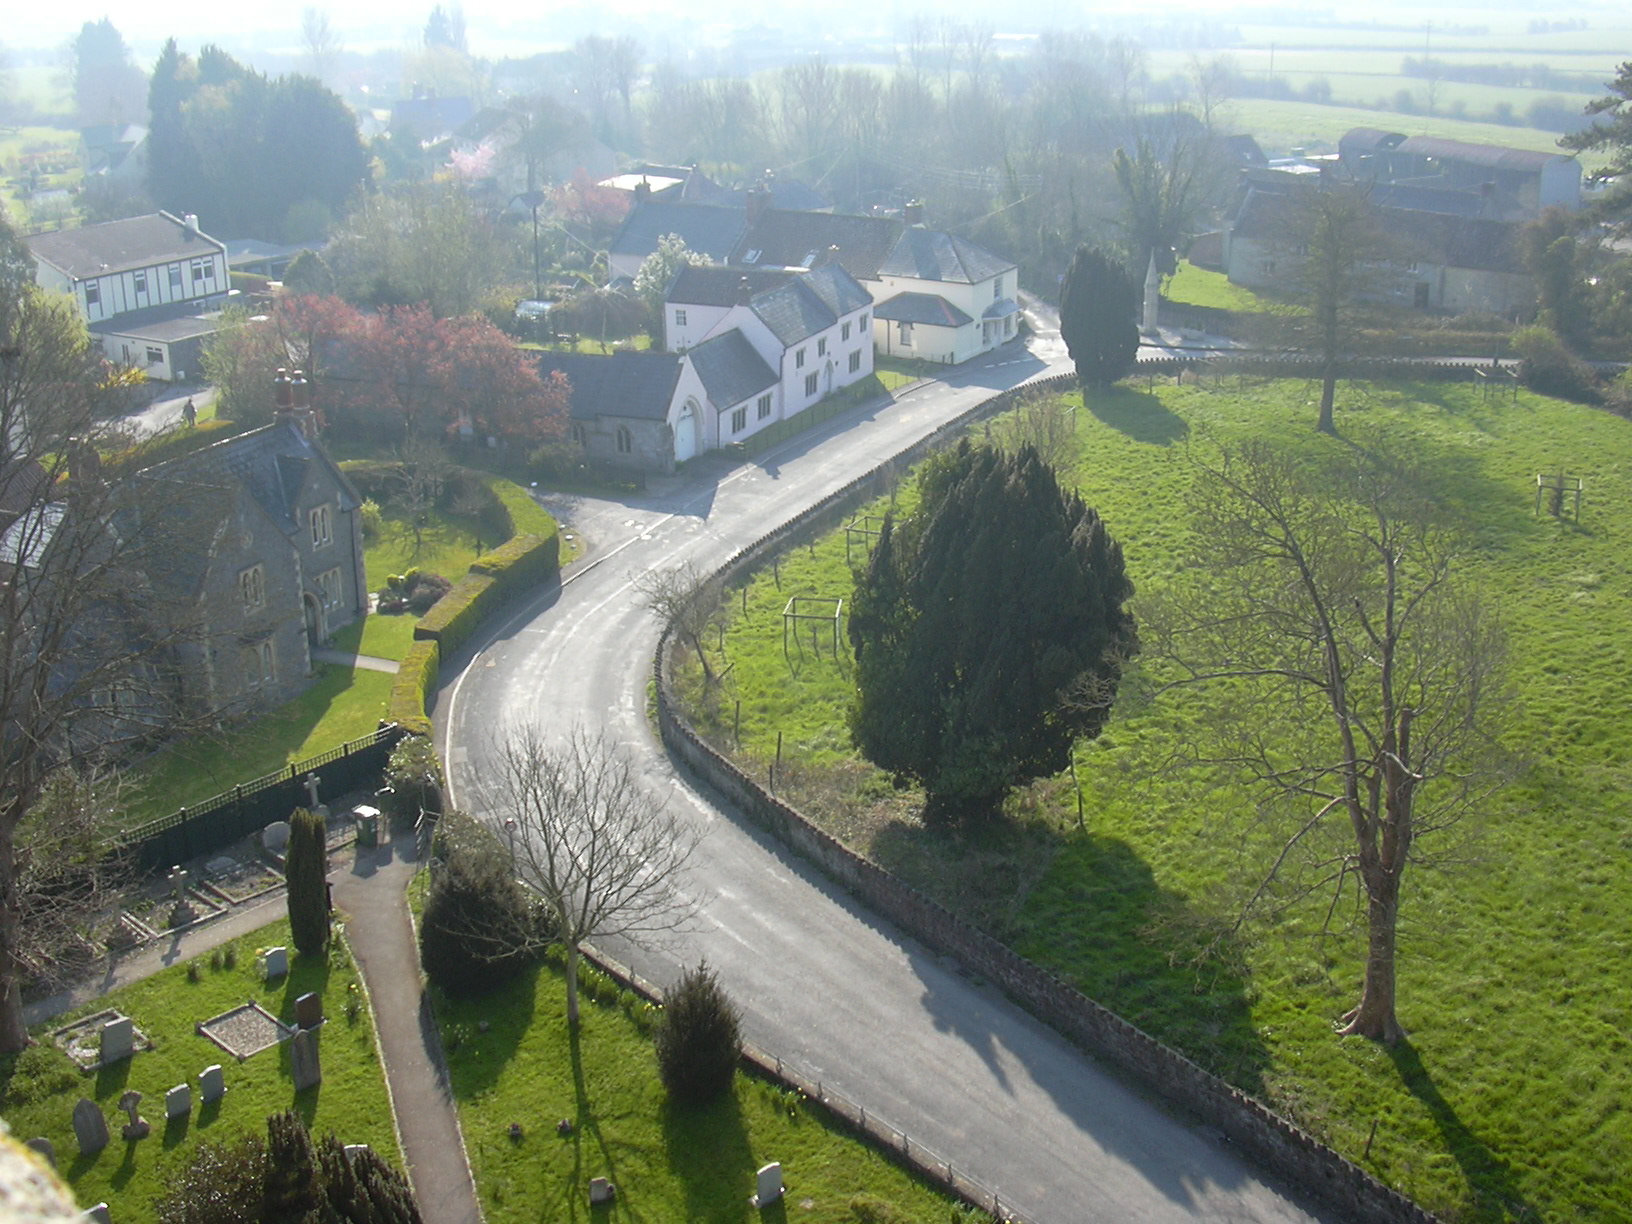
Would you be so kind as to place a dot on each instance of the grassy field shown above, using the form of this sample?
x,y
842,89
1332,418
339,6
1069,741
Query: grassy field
x,y
38,1088
1507,1101
1200,287
37,158
668,1164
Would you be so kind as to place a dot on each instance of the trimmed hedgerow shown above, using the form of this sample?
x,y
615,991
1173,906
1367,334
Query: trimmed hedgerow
x,y
526,516
455,616
416,678
525,560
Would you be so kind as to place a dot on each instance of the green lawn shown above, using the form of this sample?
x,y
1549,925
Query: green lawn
x,y
1510,1096
668,1164
1195,286
894,372
341,705
38,1088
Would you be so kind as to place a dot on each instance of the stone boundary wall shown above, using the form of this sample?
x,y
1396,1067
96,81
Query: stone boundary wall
x,y
1264,1136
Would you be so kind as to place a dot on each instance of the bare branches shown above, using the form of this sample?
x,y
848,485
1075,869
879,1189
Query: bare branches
x,y
685,597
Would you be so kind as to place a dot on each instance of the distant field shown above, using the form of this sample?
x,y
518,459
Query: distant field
x,y
44,87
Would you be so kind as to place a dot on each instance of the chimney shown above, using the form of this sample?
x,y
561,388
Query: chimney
x,y
643,190
913,213
190,222
758,200
292,395
745,292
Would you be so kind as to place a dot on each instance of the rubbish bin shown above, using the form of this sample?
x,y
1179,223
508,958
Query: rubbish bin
x,y
368,826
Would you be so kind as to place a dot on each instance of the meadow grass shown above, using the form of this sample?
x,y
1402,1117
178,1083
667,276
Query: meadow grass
x,y
697,1165
38,1088
1508,1097
1195,286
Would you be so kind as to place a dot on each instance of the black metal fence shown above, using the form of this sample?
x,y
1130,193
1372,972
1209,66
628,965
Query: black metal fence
x,y
216,823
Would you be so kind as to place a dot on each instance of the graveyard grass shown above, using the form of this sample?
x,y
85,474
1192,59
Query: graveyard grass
x,y
38,1088
1509,1096
694,1165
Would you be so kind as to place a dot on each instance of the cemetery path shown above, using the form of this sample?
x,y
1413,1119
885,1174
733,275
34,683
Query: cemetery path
x,y
374,894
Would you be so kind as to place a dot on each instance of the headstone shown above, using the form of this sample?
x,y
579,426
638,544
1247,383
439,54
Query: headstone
x,y
212,1085
223,865
90,1127
99,1214
311,791
601,1191
354,1150
307,1068
770,1185
275,837
138,1127
276,961
178,1102
309,1010
118,1040
45,1148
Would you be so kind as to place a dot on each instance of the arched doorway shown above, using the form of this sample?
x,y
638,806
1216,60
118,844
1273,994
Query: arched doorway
x,y
314,621
685,431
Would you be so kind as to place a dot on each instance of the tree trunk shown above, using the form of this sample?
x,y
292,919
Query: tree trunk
x,y
572,984
1374,1017
1328,395
13,1029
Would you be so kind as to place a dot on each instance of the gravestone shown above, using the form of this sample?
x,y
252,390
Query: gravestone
x,y
354,1150
98,1214
118,1040
212,1085
276,961
770,1185
303,1057
90,1127
601,1191
309,1010
178,1102
45,1148
138,1127
275,837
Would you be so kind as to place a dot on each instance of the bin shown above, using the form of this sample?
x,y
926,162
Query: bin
x,y
368,826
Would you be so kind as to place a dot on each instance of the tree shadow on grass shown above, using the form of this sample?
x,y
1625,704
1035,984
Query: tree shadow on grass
x,y
604,1158
709,1154
1489,1177
1140,415
476,1061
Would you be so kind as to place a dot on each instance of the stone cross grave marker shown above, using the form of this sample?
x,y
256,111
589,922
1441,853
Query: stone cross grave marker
x,y
303,1056
212,1085
118,1040
770,1184
276,961
138,1127
90,1127
311,791
178,1102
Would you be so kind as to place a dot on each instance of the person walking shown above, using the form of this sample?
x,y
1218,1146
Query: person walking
x,y
189,413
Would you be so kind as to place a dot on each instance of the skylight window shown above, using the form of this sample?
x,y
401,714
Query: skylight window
x,y
753,256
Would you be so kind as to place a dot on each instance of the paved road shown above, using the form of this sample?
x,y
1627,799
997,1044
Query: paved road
x,y
830,988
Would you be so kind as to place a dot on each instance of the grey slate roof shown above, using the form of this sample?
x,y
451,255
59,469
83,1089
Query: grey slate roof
x,y
116,246
273,462
636,385
939,256
785,193
708,228
793,311
1495,157
714,286
837,288
731,369
162,324
784,239
926,308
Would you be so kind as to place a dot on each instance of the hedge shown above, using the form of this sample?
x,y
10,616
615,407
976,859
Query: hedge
x,y
416,679
525,515
454,617
522,561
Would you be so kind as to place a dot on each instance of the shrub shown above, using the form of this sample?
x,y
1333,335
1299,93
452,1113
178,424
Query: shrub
x,y
698,1038
424,590
306,868
870,1209
415,777
361,1186
1550,368
415,680
223,1184
476,931
371,519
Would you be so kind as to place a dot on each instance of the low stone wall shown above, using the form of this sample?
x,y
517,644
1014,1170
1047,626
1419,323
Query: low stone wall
x,y
1261,1134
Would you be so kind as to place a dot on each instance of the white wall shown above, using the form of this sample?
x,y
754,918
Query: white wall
x,y
121,292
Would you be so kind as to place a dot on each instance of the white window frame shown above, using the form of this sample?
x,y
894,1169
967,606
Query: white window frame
x,y
855,362
764,405
799,359
177,278
905,334
679,318
739,420
321,519
812,382
93,293
330,588
155,355
821,347
844,331
139,281
626,440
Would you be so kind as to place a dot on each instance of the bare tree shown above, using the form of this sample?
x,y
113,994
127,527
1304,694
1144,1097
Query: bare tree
x,y
1212,81
422,468
606,859
1363,678
686,598
1042,422
321,43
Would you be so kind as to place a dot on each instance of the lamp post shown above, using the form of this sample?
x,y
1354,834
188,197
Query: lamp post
x,y
534,200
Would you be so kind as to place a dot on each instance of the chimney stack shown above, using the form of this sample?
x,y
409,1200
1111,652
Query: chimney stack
x,y
190,222
292,394
643,190
745,292
913,213
757,201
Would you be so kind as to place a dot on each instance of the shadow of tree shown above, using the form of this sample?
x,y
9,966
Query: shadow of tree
x,y
477,1060
1490,1178
708,1148
1140,415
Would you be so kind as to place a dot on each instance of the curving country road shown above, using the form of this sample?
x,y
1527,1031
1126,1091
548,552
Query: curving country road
x,y
831,989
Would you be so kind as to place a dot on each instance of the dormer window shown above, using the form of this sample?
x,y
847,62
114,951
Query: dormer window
x,y
753,255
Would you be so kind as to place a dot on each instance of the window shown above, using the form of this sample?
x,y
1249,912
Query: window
x,y
906,334
175,278
119,696
799,360
155,356
141,282
93,293
821,347
578,434
626,440
330,588
844,332
997,289
764,406
203,270
1303,248
1266,266
679,318
862,322
810,384
261,664
322,526
252,587
752,256
739,420
855,361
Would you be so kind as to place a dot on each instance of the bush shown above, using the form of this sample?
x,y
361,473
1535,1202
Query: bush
x,y
371,519
698,1038
416,679
476,933
306,866
423,590
223,1184
415,777
1550,368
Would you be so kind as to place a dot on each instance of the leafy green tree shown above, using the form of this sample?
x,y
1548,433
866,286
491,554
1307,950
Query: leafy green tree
x,y
477,931
989,632
291,1187
698,1038
1611,133
306,867
660,267
1557,261
1163,192
16,264
1097,306
107,86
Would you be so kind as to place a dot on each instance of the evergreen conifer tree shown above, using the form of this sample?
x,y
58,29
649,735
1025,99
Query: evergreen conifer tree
x,y
305,868
1097,306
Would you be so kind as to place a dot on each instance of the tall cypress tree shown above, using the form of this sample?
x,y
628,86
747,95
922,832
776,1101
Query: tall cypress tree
x,y
1097,322
305,868
989,632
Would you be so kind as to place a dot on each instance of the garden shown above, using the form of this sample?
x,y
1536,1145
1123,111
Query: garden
x,y
1124,874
